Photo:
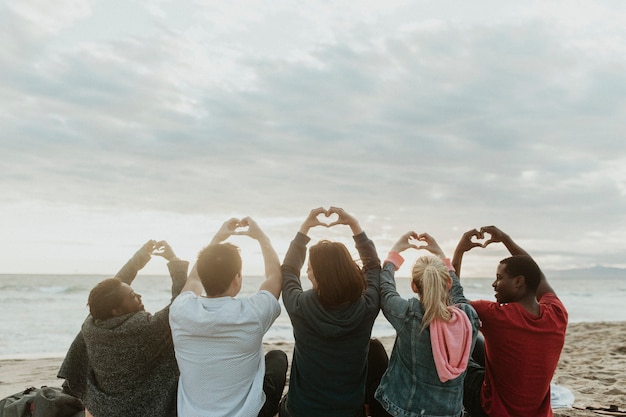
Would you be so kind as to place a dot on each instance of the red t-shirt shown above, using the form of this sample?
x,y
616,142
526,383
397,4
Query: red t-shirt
x,y
521,354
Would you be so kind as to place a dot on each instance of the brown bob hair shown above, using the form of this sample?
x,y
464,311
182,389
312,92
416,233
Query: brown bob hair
x,y
339,279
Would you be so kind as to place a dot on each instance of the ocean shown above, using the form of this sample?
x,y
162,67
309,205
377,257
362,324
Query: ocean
x,y
41,314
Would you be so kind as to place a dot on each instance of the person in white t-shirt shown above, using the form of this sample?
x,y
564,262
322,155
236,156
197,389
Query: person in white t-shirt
x,y
218,337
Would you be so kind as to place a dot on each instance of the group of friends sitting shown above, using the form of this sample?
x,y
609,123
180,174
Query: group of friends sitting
x,y
203,356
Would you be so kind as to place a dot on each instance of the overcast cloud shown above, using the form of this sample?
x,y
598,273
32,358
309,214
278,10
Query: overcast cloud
x,y
126,120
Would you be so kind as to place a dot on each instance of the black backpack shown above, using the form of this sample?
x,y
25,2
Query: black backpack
x,y
41,402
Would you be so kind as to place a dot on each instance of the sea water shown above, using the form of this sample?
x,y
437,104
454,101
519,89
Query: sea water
x,y
41,314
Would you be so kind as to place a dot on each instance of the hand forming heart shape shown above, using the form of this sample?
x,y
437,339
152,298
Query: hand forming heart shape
x,y
237,225
327,218
481,239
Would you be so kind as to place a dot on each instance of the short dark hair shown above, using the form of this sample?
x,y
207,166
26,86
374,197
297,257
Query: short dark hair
x,y
217,266
104,298
339,279
526,266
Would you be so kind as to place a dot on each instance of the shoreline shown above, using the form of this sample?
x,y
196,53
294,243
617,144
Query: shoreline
x,y
592,366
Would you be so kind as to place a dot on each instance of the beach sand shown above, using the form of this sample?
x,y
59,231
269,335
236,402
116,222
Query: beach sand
x,y
592,366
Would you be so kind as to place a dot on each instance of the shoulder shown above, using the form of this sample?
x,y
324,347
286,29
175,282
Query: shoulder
x,y
551,304
492,310
184,297
483,305
183,303
263,298
467,309
549,298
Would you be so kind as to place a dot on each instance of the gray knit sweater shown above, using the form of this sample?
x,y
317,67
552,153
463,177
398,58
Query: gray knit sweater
x,y
125,366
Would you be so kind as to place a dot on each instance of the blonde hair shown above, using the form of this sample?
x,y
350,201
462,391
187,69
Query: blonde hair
x,y
432,279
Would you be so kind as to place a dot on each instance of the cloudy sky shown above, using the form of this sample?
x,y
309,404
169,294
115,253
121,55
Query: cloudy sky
x,y
124,120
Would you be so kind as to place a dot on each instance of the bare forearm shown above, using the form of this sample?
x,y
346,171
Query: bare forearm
x,y
193,282
512,247
273,274
457,259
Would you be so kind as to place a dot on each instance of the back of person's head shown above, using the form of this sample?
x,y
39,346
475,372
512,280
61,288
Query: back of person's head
x,y
217,266
432,282
526,266
339,279
104,298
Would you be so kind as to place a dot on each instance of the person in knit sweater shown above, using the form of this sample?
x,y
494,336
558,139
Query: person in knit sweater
x,y
122,362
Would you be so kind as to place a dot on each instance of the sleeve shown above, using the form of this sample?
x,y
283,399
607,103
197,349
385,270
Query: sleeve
x,y
371,268
551,301
268,308
456,292
394,307
75,367
294,259
484,309
178,271
129,271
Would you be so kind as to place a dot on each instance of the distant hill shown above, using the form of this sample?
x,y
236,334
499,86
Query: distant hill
x,y
597,272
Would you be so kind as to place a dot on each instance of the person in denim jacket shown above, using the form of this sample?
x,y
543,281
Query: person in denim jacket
x,y
436,333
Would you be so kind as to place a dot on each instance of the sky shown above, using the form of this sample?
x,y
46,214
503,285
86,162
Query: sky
x,y
123,121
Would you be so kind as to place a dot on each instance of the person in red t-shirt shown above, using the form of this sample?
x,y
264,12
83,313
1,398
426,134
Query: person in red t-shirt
x,y
524,333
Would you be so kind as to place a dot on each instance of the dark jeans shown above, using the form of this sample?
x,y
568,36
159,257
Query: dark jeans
x,y
377,362
274,381
474,381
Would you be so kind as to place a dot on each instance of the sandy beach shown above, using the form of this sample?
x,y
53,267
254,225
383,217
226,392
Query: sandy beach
x,y
592,366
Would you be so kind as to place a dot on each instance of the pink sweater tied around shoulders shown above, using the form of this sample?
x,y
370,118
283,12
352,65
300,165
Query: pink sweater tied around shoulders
x,y
451,342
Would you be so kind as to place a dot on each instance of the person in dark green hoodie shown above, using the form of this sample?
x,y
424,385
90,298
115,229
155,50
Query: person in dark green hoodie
x,y
332,322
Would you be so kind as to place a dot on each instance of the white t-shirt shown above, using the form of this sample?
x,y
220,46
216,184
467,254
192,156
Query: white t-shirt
x,y
218,344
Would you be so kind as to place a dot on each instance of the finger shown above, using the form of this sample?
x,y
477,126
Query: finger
x,y
410,235
470,233
335,210
232,223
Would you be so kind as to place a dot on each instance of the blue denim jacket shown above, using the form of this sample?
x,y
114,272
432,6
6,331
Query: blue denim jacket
x,y
411,387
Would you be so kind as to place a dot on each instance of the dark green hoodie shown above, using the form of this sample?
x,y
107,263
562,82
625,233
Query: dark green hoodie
x,y
329,365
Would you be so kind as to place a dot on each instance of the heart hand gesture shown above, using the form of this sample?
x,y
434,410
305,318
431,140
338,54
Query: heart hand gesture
x,y
317,216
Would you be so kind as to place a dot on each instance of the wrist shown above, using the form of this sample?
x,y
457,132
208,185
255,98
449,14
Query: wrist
x,y
356,228
395,258
448,264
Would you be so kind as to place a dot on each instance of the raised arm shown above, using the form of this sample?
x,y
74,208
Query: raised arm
x,y
225,231
129,271
273,275
343,217
193,282
465,244
514,249
456,290
177,267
